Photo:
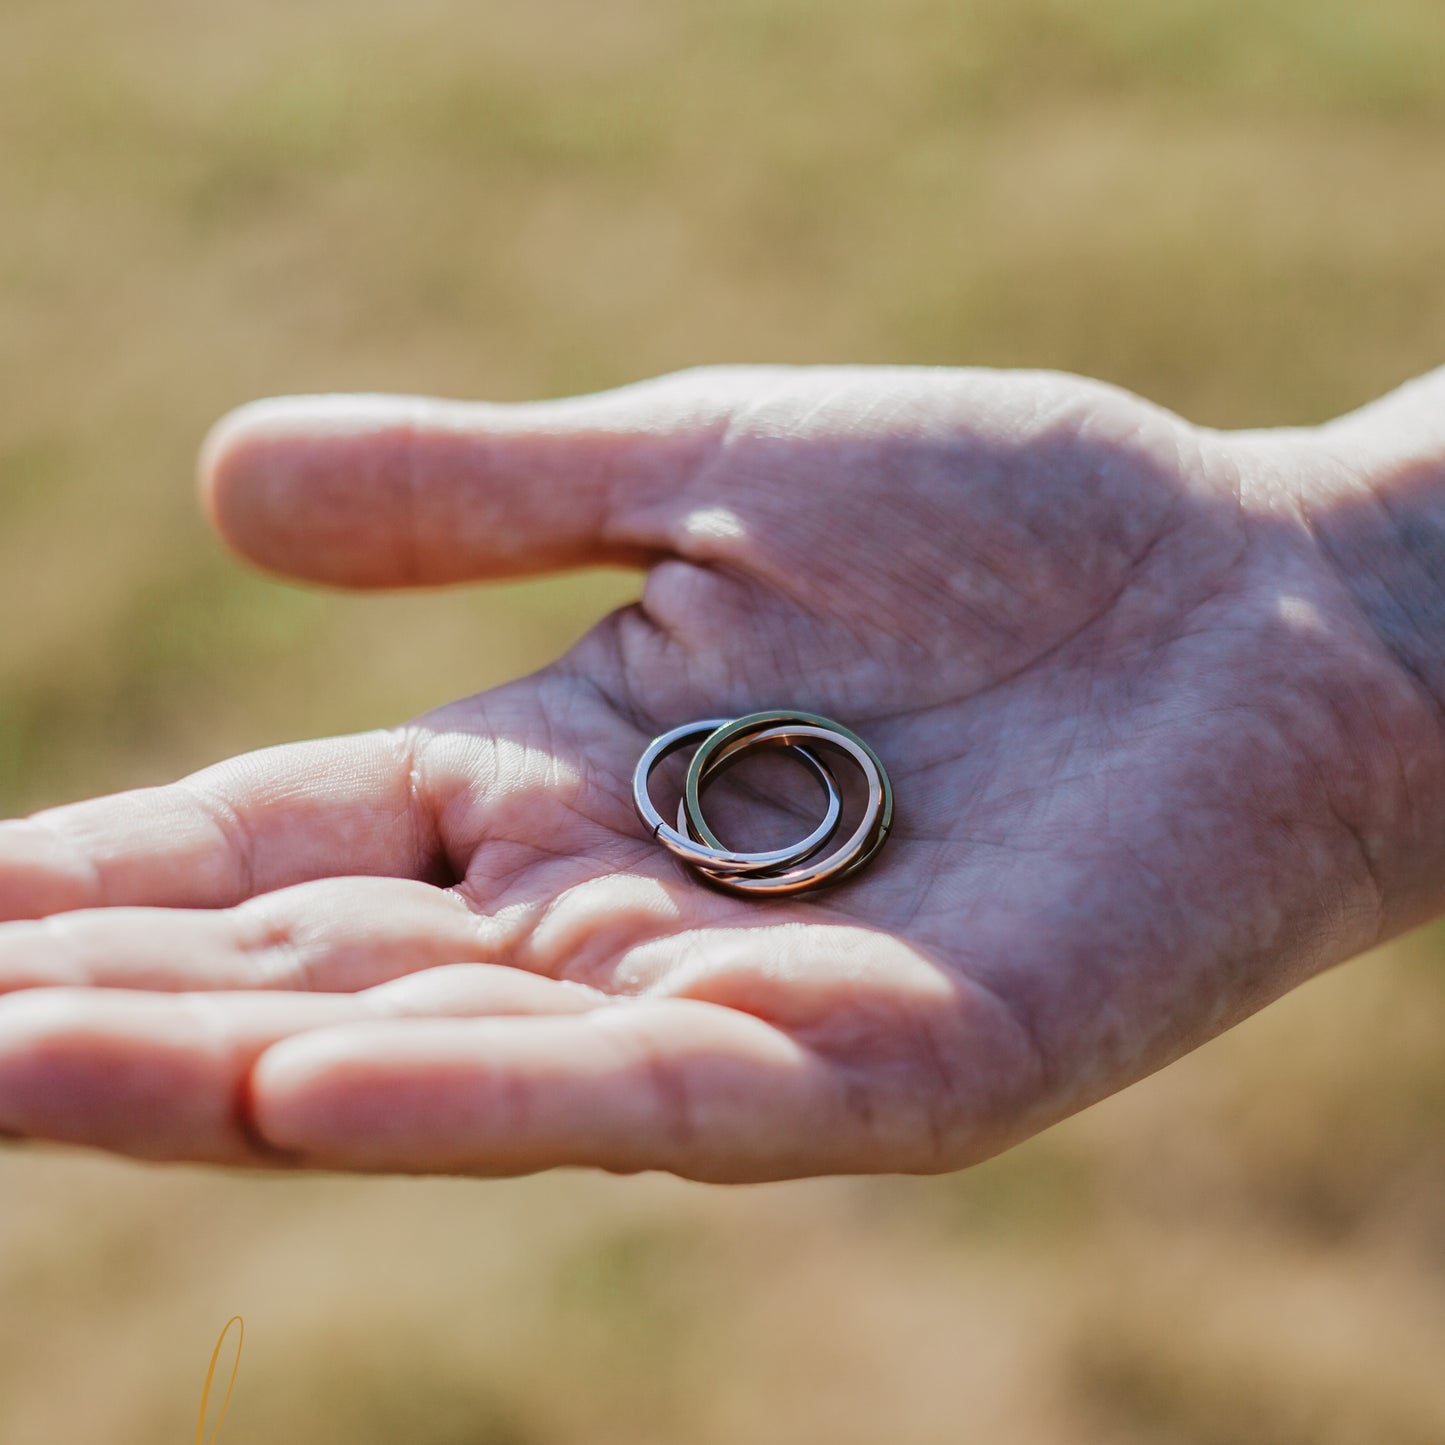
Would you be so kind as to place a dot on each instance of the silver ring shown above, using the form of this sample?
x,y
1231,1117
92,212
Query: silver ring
x,y
718,860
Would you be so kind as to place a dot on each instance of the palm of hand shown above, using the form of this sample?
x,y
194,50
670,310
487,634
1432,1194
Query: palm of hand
x,y
1072,626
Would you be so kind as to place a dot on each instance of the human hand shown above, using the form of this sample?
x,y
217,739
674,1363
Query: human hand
x,y
1160,704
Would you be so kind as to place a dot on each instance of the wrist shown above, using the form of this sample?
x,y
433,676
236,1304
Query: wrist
x,y
1369,493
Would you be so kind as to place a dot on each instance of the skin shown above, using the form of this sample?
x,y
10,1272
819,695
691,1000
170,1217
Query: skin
x,y
1162,707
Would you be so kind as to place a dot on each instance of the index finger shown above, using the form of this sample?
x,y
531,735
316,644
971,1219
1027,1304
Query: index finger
x,y
253,824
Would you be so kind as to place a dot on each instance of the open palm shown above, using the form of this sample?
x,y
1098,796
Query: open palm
x,y
1140,730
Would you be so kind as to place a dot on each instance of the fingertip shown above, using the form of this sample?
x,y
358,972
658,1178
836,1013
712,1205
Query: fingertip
x,y
307,1095
289,483
232,470
298,1061
229,446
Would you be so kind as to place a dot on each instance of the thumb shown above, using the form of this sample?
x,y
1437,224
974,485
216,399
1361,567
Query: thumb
x,y
1399,436
387,491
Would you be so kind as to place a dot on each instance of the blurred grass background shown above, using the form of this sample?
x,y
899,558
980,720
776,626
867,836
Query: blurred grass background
x,y
1234,208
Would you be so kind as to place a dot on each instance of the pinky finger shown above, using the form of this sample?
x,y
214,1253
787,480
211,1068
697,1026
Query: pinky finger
x,y
684,1086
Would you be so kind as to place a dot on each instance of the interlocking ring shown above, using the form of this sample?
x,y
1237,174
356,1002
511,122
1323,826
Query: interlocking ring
x,y
802,865
684,844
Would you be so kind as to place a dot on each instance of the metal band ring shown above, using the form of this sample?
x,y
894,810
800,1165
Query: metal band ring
x,y
789,728
711,854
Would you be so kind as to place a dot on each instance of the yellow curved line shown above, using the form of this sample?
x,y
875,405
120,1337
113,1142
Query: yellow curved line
x,y
210,1375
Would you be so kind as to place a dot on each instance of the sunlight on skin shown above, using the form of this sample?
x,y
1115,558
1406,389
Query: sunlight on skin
x,y
1302,615
720,524
1162,708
